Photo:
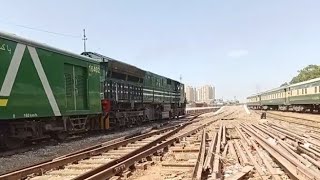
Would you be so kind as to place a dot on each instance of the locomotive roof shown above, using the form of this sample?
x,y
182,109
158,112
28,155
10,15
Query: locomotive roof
x,y
26,41
103,58
116,65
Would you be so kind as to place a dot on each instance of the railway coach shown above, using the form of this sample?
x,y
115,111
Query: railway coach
x,y
254,101
300,97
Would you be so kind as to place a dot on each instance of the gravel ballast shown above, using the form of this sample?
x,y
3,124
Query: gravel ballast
x,y
38,155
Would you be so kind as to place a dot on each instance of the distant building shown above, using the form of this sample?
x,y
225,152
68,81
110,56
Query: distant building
x,y
199,95
190,94
204,93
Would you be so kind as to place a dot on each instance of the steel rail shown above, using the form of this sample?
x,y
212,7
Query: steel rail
x,y
130,154
294,167
296,121
197,172
105,172
299,118
82,154
216,170
208,166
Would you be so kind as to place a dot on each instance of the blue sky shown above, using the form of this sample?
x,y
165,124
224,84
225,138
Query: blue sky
x,y
237,46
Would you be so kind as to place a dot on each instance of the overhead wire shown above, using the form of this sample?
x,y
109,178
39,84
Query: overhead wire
x,y
41,30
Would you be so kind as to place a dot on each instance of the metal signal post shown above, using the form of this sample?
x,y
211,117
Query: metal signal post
x,y
84,40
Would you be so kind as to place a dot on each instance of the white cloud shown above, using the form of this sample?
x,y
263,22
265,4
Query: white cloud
x,y
238,53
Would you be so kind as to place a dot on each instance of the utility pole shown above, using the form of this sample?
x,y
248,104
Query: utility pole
x,y
180,78
84,40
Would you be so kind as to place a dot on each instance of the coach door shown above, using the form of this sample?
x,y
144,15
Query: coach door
x,y
76,87
287,93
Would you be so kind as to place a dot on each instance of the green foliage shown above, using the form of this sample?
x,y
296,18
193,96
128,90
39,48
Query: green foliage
x,y
310,72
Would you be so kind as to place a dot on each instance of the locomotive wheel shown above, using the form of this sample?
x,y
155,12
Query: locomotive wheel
x,y
60,136
13,143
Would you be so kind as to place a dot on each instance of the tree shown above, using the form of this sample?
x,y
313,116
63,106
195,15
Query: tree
x,y
310,72
284,84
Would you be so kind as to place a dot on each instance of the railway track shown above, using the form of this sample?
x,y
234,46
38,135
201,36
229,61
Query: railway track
x,y
196,156
295,120
287,148
94,161
206,147
234,149
182,160
95,153
34,145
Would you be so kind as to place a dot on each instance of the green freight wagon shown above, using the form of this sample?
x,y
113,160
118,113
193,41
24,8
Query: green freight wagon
x,y
45,91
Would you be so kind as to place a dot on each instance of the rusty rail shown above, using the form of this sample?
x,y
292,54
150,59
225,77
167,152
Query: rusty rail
x,y
208,166
82,154
197,172
216,172
292,165
295,120
105,171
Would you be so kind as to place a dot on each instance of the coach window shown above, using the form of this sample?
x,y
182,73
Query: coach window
x,y
305,91
297,91
315,89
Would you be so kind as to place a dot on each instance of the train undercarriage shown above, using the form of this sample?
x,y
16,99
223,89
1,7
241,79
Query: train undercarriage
x,y
15,134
